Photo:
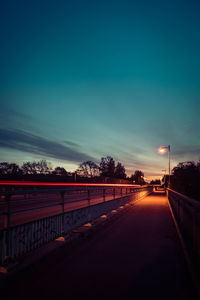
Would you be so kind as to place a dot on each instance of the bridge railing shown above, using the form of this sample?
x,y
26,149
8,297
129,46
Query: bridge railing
x,y
187,214
16,240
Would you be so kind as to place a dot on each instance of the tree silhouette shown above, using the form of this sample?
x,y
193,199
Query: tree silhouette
x,y
156,181
59,171
186,178
107,166
198,166
9,169
138,177
39,169
29,168
120,171
33,168
88,169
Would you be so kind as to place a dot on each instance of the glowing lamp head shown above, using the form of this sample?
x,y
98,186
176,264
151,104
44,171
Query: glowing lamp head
x,y
162,150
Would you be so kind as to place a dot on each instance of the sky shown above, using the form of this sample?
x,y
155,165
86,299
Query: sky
x,y
80,80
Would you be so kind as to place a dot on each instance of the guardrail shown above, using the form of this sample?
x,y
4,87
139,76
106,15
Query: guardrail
x,y
23,238
187,214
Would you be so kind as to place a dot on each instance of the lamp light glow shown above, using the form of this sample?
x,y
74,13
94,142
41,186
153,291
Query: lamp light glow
x,y
162,149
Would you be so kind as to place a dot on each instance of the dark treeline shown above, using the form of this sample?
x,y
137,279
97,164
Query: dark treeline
x,y
185,179
106,171
156,181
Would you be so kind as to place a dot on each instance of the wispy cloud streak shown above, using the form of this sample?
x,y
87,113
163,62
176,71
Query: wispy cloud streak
x,y
187,153
27,142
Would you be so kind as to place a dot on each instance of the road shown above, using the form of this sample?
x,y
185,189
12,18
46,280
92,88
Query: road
x,y
32,206
135,256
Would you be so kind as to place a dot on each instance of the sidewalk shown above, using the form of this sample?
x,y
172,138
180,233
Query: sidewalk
x,y
135,256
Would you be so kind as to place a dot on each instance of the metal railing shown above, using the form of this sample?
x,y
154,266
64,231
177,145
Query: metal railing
x,y
61,211
187,214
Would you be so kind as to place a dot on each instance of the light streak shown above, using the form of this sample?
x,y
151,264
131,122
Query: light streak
x,y
35,183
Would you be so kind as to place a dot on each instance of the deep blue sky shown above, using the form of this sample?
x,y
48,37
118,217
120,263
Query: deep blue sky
x,y
84,79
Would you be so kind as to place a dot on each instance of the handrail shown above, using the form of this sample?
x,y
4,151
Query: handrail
x,y
21,192
8,196
192,201
187,214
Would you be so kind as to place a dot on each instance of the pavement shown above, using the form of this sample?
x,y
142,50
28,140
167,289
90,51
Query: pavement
x,y
134,256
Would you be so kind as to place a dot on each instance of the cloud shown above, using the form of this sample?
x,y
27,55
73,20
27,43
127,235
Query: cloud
x,y
27,142
12,115
71,144
188,154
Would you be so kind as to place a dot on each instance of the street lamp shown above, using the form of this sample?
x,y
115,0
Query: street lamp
x,y
162,150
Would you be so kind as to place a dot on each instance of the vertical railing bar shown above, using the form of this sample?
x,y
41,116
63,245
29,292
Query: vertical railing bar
x,y
42,231
11,244
32,236
39,233
48,228
24,239
7,226
21,248
4,247
45,230
113,193
195,231
88,198
104,195
28,238
51,229
62,196
20,244
35,234
17,240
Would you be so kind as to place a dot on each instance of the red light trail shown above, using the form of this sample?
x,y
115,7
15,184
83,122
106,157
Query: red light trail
x,y
35,183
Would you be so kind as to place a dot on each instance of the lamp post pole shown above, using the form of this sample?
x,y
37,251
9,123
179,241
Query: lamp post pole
x,y
162,149
169,154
